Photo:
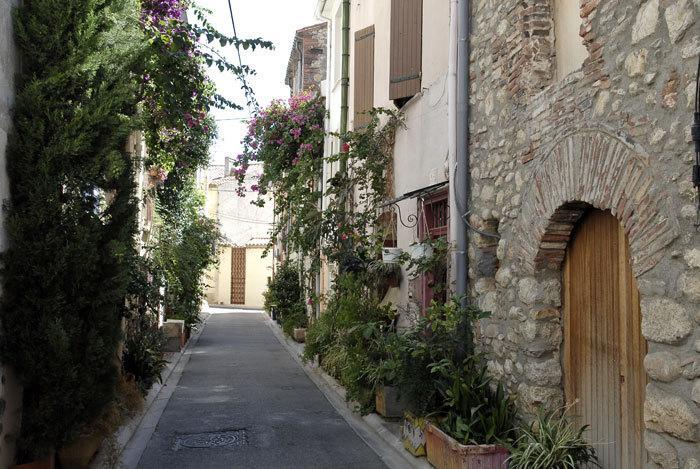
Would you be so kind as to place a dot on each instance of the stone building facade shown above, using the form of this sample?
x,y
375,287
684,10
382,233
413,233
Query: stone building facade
x,y
10,392
547,147
307,62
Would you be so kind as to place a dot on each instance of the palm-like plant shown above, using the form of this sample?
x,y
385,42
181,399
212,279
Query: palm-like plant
x,y
552,441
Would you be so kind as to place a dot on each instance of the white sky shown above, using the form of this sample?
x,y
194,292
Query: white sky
x,y
273,20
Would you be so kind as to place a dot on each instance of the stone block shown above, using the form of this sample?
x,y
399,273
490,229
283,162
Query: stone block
x,y
661,451
670,414
174,330
662,366
665,321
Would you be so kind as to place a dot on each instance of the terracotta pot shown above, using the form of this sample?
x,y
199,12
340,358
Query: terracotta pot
x,y
48,463
388,402
413,434
78,454
299,334
444,452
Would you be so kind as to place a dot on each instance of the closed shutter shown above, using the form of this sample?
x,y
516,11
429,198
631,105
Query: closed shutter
x,y
237,276
364,76
406,48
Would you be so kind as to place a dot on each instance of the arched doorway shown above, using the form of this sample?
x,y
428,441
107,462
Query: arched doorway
x,y
603,344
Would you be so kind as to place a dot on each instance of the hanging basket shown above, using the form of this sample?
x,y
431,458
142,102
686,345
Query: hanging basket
x,y
391,255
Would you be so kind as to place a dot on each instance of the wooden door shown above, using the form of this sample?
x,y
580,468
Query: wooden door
x,y
237,276
603,345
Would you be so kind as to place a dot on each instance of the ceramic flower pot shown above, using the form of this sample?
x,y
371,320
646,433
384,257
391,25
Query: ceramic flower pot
x,y
78,454
47,463
299,334
413,434
444,452
391,255
388,402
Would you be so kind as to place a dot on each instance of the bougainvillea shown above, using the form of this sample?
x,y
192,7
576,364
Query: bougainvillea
x,y
286,140
177,93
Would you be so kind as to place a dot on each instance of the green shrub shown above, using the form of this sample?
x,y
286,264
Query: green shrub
x,y
552,442
70,217
350,337
286,295
142,357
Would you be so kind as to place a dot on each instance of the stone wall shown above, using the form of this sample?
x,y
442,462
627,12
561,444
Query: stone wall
x,y
613,135
309,47
10,392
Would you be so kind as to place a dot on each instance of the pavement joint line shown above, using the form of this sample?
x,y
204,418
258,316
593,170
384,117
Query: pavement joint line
x,y
385,444
133,437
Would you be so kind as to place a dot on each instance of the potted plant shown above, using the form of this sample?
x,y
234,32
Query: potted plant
x,y
475,422
552,441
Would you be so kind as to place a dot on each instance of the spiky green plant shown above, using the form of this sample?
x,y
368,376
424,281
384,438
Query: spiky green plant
x,y
552,441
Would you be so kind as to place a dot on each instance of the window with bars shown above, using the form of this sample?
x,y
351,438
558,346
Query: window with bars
x,y
435,224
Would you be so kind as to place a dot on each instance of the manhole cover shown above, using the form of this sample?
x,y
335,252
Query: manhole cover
x,y
212,439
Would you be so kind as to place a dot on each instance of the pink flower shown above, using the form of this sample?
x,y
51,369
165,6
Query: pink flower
x,y
295,161
309,301
255,188
296,132
343,236
345,148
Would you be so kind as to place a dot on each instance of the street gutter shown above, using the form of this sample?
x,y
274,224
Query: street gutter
x,y
372,429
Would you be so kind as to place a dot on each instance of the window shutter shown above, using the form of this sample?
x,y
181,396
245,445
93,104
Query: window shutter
x,y
364,76
406,48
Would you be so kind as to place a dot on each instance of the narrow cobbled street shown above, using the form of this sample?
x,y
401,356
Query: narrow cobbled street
x,y
243,401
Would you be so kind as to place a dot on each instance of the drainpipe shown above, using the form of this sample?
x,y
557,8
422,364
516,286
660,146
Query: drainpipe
x,y
344,80
462,172
455,224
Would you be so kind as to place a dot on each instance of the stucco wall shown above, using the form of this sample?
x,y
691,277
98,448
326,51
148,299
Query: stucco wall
x,y
614,135
420,153
10,392
257,270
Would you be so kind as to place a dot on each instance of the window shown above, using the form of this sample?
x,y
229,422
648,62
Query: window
x,y
405,49
570,51
363,88
434,225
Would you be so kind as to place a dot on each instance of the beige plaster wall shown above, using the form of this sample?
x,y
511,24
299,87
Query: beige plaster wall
x,y
257,271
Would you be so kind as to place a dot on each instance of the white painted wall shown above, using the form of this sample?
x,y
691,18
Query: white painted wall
x,y
10,392
421,151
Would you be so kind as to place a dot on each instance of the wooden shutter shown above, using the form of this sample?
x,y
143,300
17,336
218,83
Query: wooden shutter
x,y
364,76
406,48
237,276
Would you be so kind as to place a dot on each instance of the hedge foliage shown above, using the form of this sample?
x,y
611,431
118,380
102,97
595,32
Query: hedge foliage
x,y
71,218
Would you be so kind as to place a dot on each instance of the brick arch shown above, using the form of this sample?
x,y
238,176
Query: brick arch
x,y
592,168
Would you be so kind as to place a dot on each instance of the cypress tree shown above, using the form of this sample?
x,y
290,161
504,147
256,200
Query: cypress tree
x,y
71,218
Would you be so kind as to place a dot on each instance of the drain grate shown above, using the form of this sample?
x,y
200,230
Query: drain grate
x,y
212,439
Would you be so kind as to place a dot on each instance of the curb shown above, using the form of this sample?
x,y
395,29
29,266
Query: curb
x,y
371,428
133,436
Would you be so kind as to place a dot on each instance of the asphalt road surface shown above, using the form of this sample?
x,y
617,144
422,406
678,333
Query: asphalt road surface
x,y
243,402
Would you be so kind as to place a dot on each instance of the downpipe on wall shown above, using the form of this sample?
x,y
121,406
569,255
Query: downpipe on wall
x,y
461,183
